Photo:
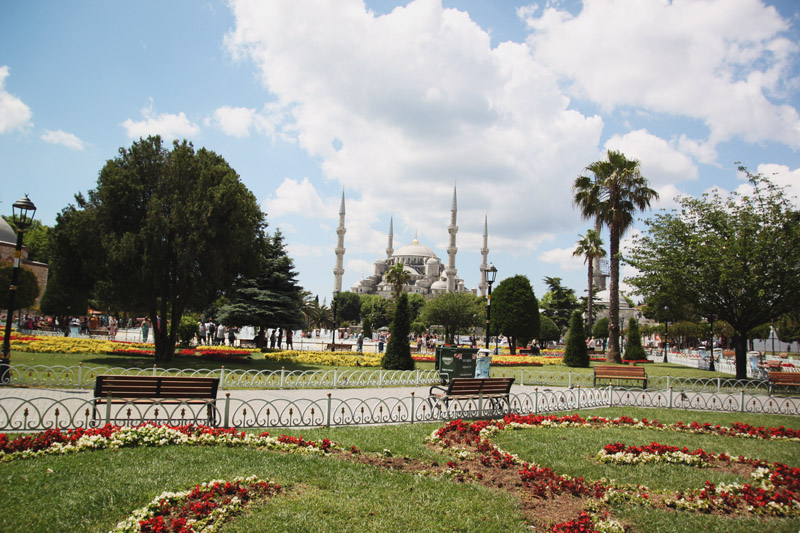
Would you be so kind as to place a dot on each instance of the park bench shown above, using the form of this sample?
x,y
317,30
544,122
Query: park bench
x,y
496,390
783,379
98,332
772,365
620,373
335,347
181,390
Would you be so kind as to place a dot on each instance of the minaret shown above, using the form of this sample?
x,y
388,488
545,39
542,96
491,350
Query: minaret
x,y
389,249
450,271
484,255
339,270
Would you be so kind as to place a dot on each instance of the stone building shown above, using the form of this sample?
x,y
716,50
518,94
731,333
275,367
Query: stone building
x,y
8,243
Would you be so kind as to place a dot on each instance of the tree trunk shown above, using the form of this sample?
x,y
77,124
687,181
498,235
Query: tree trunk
x,y
613,354
591,290
740,346
512,345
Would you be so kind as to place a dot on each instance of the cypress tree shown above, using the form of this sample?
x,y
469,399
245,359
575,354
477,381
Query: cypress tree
x,y
634,350
576,354
398,352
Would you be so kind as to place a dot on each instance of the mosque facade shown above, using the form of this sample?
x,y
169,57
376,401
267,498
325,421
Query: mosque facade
x,y
429,276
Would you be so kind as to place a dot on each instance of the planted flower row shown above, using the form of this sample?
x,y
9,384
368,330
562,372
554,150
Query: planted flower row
x,y
200,509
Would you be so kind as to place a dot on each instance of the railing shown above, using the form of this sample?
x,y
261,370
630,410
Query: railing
x,y
39,413
83,377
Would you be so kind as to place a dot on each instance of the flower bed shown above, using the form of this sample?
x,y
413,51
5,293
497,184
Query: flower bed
x,y
327,358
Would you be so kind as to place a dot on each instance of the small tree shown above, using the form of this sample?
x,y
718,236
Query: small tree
x,y
515,310
366,327
576,354
600,330
634,350
548,331
187,330
398,352
27,287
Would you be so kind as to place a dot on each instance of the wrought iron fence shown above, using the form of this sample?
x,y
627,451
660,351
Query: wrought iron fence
x,y
40,413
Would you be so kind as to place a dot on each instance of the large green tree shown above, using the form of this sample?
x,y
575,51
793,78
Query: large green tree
x,y
398,351
615,193
455,311
271,299
558,303
590,246
348,307
515,311
378,309
548,331
164,231
27,287
736,258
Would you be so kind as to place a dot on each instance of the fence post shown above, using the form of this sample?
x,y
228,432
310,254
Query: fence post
x,y
283,377
335,377
222,376
610,395
108,408
668,382
227,410
522,376
154,370
380,377
328,417
670,397
411,414
741,401
579,397
569,384
417,371
718,384
80,375
535,400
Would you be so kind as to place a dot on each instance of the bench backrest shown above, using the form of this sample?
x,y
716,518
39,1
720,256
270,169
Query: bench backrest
x,y
627,371
784,377
156,387
478,386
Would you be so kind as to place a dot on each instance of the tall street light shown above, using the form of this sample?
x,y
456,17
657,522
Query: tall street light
x,y
23,211
335,298
491,275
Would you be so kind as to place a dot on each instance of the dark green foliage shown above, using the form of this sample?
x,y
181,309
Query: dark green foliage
x,y
600,329
61,300
398,351
36,240
515,310
27,287
548,331
633,349
559,302
379,310
187,330
455,311
367,328
576,353
273,299
788,326
163,232
416,302
348,307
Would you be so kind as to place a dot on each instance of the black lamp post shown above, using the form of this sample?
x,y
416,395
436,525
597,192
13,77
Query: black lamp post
x,y
491,275
22,212
333,343
666,332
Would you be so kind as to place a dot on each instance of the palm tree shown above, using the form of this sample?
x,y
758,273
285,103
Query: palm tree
x,y
590,246
616,193
397,277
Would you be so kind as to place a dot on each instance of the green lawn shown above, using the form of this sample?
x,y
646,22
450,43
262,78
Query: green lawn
x,y
91,491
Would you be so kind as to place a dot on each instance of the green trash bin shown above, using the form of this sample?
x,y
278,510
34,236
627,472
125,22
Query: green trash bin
x,y
455,362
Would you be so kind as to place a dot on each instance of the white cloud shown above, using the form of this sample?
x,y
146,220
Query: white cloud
x,y
296,249
723,62
63,138
235,121
293,197
169,126
398,107
14,114
562,258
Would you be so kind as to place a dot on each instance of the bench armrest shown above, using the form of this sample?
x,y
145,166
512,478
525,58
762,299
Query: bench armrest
x,y
430,392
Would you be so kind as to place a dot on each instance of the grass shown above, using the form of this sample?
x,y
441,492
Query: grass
x,y
91,491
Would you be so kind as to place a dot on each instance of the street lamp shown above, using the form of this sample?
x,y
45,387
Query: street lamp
x,y
491,275
22,213
666,332
335,297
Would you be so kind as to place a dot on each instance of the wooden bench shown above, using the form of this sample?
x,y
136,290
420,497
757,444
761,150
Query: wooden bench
x,y
783,379
620,373
158,389
344,347
496,390
772,365
98,333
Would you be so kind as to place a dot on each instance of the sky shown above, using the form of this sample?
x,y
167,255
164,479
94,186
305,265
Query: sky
x,y
395,103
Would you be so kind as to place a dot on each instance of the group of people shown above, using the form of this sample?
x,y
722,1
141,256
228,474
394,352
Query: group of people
x,y
213,334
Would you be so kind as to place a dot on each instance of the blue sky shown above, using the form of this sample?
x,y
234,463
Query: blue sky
x,y
395,102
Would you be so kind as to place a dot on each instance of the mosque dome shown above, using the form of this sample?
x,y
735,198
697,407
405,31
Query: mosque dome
x,y
415,249
439,285
7,234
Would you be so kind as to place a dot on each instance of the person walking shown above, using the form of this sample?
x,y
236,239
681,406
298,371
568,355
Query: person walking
x,y
289,339
360,341
220,340
231,335
145,329
272,340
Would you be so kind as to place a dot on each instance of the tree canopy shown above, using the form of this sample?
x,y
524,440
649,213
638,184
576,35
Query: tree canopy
x,y
576,353
515,311
398,351
397,277
735,258
558,303
590,246
377,309
37,239
27,286
455,311
163,231
348,307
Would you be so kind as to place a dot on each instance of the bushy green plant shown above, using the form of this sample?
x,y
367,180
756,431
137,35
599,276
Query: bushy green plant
x,y
398,352
187,330
576,353
366,327
634,350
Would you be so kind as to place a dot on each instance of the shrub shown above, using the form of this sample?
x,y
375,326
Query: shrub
x,y
187,330
634,350
576,354
398,352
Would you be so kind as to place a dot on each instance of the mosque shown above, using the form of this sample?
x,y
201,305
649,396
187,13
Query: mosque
x,y
428,276
8,245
